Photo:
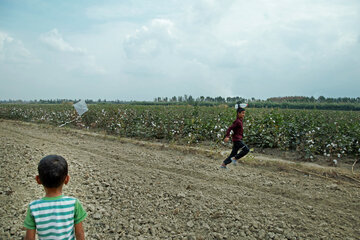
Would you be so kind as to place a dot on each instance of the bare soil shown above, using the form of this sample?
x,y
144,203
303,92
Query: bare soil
x,y
142,190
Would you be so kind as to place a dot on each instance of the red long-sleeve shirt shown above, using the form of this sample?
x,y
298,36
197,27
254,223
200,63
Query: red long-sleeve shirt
x,y
237,128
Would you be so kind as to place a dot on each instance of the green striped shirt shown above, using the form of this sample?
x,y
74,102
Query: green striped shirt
x,y
54,218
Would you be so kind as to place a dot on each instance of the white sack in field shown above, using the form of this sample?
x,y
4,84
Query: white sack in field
x,y
81,107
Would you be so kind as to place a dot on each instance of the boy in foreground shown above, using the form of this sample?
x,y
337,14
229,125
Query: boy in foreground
x,y
55,216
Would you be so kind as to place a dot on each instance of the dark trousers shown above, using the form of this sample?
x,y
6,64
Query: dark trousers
x,y
237,145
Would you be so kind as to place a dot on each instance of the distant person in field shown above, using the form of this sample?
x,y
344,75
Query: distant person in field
x,y
237,136
55,216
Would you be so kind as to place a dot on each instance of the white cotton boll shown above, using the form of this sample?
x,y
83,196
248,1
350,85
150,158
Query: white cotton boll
x,y
335,162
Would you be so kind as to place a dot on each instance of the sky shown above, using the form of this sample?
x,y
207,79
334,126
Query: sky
x,y
136,50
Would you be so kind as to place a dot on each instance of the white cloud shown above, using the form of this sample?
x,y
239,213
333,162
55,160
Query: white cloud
x,y
112,12
55,40
79,61
12,50
151,40
4,38
86,65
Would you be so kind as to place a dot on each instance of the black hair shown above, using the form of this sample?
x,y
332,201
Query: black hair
x,y
240,109
53,170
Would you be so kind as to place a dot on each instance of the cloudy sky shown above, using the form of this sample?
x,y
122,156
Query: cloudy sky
x,y
139,50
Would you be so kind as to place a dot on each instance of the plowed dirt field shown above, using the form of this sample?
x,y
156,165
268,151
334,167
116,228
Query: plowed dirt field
x,y
140,190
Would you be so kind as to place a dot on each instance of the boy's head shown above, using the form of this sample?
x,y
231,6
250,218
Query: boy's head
x,y
53,170
241,112
240,109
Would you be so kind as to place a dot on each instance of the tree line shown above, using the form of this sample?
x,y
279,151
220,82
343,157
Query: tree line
x,y
296,99
290,102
